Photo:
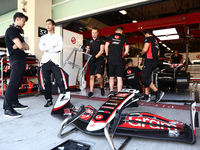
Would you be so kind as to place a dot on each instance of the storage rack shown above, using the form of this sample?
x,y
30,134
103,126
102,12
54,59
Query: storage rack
x,y
5,60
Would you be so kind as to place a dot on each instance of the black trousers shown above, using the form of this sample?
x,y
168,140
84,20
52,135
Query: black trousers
x,y
47,69
146,72
16,77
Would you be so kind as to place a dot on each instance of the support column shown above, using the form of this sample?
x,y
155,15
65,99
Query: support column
x,y
38,11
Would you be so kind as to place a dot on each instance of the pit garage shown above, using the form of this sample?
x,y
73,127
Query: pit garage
x,y
176,26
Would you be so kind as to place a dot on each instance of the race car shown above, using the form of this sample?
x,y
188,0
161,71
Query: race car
x,y
171,76
109,120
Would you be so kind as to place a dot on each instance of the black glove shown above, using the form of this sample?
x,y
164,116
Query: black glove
x,y
93,58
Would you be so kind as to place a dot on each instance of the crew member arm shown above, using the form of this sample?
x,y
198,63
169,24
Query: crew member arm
x,y
57,48
106,48
18,44
145,48
126,49
42,45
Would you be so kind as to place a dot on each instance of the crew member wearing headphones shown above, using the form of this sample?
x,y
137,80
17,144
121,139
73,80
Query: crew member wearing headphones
x,y
17,57
51,44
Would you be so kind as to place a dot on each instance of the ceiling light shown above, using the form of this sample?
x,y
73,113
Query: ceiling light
x,y
123,12
170,37
165,32
164,45
134,21
160,42
168,48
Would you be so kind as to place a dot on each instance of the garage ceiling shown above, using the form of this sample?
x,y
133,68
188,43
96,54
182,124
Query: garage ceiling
x,y
148,12
7,5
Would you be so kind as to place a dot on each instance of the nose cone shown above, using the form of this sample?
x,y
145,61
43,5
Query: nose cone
x,y
92,126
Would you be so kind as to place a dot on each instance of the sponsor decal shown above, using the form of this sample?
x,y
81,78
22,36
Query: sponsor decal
x,y
99,117
116,36
129,71
122,94
73,40
106,112
107,107
112,104
148,126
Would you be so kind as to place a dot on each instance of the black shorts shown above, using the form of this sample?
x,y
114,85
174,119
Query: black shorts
x,y
147,70
118,66
97,66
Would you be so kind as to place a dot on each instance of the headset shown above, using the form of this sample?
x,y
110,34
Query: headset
x,y
19,29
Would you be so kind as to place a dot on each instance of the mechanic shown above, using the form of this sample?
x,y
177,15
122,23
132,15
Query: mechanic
x,y
119,47
17,57
131,75
176,58
151,53
96,62
51,44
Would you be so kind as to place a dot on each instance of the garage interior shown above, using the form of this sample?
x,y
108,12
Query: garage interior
x,y
37,133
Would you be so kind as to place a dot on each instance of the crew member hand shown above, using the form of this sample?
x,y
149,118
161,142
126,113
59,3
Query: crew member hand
x,y
14,46
93,58
140,55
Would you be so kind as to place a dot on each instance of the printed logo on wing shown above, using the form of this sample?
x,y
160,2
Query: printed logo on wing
x,y
122,94
129,71
92,125
116,36
99,117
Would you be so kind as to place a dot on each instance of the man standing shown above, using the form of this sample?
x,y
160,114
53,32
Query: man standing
x,y
51,44
17,57
150,52
96,63
176,58
119,47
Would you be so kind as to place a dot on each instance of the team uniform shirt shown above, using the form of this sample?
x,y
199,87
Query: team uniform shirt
x,y
10,35
176,59
131,75
94,46
47,42
117,44
152,52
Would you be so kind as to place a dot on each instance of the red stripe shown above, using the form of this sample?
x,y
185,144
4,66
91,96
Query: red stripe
x,y
14,39
64,77
149,51
54,109
41,79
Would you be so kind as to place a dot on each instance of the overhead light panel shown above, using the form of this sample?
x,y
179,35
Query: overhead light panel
x,y
134,21
164,45
170,37
123,12
168,48
165,32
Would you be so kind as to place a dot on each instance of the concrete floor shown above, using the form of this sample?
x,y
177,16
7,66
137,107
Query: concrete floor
x,y
37,129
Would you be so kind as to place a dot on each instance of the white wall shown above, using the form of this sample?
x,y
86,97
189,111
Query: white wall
x,y
67,49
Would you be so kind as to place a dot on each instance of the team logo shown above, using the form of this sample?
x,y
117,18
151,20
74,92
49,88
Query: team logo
x,y
129,71
116,36
99,117
198,56
73,40
92,125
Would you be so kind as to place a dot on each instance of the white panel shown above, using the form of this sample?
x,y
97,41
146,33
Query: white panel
x,y
68,45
